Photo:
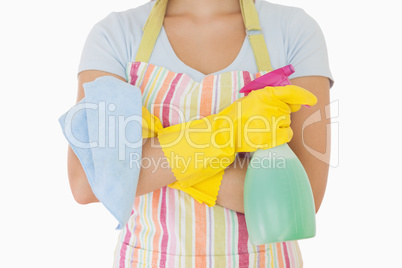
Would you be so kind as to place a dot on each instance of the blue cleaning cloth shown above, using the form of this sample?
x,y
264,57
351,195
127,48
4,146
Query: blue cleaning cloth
x,y
105,132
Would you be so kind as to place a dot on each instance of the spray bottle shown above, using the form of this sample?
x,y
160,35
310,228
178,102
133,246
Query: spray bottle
x,y
278,200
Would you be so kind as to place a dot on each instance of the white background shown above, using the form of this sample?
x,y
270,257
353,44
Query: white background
x,y
359,222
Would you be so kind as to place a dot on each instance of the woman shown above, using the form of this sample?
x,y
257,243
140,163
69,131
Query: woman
x,y
208,41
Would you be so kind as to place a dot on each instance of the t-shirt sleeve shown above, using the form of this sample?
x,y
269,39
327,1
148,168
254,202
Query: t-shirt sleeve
x,y
306,48
106,48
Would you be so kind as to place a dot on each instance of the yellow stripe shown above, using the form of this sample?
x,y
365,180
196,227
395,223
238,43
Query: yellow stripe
x,y
225,88
194,103
219,229
272,255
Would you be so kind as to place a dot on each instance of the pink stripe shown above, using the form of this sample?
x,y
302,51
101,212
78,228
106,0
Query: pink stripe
x,y
285,252
133,72
175,103
165,237
291,254
243,239
246,78
172,227
124,246
166,103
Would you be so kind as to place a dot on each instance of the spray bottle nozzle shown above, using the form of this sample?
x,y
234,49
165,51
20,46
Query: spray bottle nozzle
x,y
288,70
278,77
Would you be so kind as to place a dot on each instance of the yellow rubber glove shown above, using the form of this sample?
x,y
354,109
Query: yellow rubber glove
x,y
150,124
199,151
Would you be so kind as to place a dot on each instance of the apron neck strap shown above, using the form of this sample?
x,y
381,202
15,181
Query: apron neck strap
x,y
251,22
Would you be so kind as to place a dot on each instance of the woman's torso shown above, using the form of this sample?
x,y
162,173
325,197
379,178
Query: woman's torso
x,y
168,228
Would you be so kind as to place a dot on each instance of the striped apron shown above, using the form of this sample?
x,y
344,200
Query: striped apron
x,y
167,227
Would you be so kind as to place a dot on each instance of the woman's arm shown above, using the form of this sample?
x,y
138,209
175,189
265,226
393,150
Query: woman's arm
x,y
79,184
159,174
316,136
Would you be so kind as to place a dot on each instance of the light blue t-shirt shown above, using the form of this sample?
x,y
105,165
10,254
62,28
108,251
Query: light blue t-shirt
x,y
291,35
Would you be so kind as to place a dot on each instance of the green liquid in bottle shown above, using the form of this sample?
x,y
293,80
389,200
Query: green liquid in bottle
x,y
278,200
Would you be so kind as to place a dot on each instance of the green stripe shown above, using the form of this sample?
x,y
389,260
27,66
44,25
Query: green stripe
x,y
219,229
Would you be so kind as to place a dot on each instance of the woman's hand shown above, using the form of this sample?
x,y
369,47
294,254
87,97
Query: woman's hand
x,y
316,136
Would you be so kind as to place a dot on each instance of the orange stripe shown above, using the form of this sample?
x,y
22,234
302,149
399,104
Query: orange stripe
x,y
279,255
162,92
206,96
200,234
261,252
158,231
147,75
